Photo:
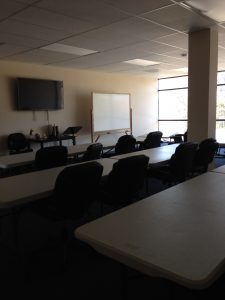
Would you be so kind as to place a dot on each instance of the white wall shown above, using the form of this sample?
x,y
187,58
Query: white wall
x,y
78,86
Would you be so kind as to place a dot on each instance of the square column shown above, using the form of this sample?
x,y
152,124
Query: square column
x,y
202,86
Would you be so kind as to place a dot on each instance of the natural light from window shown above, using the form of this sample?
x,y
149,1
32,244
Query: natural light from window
x,y
220,108
172,93
173,106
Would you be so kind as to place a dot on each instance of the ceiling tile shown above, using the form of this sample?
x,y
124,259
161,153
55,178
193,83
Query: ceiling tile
x,y
178,53
117,67
213,9
101,44
41,56
91,11
151,46
51,20
8,49
179,18
113,37
27,1
9,7
137,7
99,59
167,59
179,40
33,31
141,28
19,40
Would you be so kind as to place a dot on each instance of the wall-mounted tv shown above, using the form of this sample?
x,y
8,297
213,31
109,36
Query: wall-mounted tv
x,y
39,94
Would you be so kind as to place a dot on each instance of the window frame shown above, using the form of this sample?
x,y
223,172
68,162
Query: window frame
x,y
171,89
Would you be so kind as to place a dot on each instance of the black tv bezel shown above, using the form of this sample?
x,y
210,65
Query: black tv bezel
x,y
60,94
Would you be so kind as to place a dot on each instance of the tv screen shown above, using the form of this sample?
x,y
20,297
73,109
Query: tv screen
x,y
39,94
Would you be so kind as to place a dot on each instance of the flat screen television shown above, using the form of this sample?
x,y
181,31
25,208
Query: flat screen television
x,y
39,94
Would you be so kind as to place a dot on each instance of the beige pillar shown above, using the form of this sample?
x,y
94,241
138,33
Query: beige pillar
x,y
202,69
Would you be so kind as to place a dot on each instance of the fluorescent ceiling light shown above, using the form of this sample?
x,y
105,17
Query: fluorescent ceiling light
x,y
182,70
141,62
68,49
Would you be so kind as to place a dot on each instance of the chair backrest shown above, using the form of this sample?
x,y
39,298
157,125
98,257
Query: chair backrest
x,y
17,142
185,136
181,162
205,153
75,188
152,140
177,138
125,144
93,151
50,157
127,178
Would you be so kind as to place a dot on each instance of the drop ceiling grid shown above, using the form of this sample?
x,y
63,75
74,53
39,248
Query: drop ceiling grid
x,y
118,29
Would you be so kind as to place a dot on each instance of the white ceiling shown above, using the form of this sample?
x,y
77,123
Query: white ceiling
x,y
119,30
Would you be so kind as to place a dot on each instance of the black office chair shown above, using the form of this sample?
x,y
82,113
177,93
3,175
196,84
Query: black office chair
x,y
94,151
125,180
76,188
152,140
185,137
176,138
125,144
205,155
18,143
179,167
50,157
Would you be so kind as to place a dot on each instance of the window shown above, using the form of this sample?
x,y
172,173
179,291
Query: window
x,y
220,108
172,101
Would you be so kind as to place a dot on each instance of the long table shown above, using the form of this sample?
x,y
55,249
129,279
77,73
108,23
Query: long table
x,y
9,161
155,155
20,189
220,169
177,234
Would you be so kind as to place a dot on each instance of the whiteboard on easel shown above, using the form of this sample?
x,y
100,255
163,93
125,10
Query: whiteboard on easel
x,y
110,112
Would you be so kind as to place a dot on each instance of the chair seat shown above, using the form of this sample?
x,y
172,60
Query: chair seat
x,y
163,173
179,167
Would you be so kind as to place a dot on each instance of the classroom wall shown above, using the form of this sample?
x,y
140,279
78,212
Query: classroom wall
x,y
78,86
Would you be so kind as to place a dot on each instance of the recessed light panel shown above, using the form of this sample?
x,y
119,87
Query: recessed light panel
x,y
68,49
141,62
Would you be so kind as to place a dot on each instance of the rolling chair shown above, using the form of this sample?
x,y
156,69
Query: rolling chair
x,y
76,188
93,151
205,155
152,140
176,138
179,167
185,137
125,144
18,143
124,182
50,157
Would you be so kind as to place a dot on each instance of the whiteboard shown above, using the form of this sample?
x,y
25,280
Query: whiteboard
x,y
110,112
